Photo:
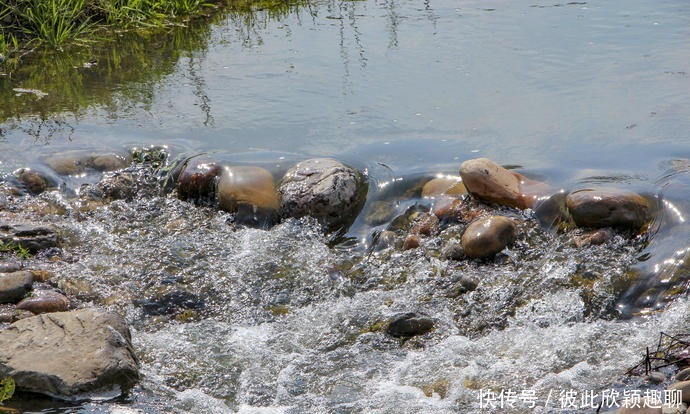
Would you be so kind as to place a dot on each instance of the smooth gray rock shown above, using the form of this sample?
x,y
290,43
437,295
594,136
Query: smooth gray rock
x,y
608,207
409,324
14,286
325,189
70,355
31,236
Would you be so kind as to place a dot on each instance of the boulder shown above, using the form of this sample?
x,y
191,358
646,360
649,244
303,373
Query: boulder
x,y
608,207
487,236
249,192
14,286
31,236
490,182
325,189
70,355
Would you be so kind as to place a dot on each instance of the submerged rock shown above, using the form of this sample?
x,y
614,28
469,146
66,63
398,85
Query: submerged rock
x,y
424,224
77,162
325,189
45,301
70,355
594,237
171,303
490,182
487,236
30,236
34,182
250,193
197,180
443,186
118,186
608,207
379,212
14,286
409,324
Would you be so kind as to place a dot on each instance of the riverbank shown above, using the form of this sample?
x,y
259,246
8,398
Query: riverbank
x,y
27,25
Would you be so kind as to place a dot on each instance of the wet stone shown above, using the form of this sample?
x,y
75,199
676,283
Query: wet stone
x,y
411,242
455,211
250,193
379,212
487,236
384,240
197,180
31,236
683,375
594,237
492,183
77,162
10,267
608,207
14,286
325,189
443,186
45,301
425,224
551,211
70,355
171,303
409,324
10,314
34,182
684,388
118,186
463,285
453,251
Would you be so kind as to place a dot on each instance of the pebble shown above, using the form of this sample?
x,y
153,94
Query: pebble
x,y
608,207
487,236
409,324
444,186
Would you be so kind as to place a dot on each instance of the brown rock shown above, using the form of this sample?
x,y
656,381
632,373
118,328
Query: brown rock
x,y
490,182
444,186
197,179
608,207
70,355
594,237
107,162
33,181
487,236
425,224
411,242
250,193
456,211
45,302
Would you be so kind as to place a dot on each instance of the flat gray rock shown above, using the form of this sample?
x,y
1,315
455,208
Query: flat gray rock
x,y
31,236
74,355
14,286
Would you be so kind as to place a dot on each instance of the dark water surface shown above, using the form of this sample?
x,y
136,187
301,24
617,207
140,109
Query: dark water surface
x,y
574,93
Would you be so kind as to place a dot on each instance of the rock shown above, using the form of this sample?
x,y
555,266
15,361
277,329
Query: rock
x,y
453,251
384,240
325,189
656,377
250,193
411,242
594,237
608,207
197,180
379,212
551,211
10,267
490,182
487,236
684,387
34,182
641,406
44,301
683,375
424,224
118,186
444,186
171,303
70,355
463,285
14,286
10,313
77,162
409,324
456,211
31,236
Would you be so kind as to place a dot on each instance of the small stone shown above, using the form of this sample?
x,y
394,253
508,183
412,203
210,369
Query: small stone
x,y
197,180
453,251
409,324
68,163
444,186
14,286
656,377
250,193
684,387
594,237
171,303
325,189
425,224
10,314
488,236
455,211
118,186
41,275
379,212
490,182
45,302
33,182
683,375
384,240
70,355
411,242
77,162
463,285
608,207
10,267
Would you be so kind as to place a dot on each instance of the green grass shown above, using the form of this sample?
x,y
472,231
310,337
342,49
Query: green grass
x,y
15,248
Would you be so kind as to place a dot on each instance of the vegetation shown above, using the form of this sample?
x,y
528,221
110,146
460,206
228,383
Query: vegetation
x,y
6,389
57,22
19,250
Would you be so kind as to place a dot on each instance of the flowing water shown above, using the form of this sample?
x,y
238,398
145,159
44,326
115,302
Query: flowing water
x,y
233,319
